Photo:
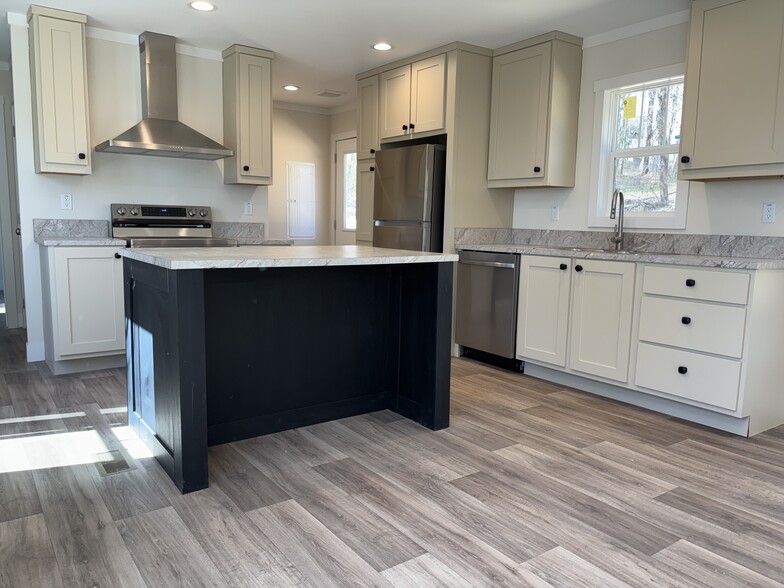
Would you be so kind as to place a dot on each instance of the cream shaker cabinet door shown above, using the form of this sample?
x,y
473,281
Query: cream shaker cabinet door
x,y
60,93
365,178
543,309
602,305
247,115
519,112
428,94
733,113
88,313
367,117
394,102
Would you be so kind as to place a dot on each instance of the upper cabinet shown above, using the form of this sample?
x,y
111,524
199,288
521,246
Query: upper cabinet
x,y
733,107
59,83
411,98
247,115
533,117
367,117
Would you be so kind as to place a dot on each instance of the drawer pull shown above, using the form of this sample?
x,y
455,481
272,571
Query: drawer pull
x,y
578,268
563,266
686,320
682,369
117,256
690,283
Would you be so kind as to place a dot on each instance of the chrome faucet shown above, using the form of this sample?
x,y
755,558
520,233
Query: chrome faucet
x,y
617,238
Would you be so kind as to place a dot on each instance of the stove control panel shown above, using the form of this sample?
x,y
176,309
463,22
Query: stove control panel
x,y
154,213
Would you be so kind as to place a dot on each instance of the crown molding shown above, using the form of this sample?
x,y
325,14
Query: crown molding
x,y
640,28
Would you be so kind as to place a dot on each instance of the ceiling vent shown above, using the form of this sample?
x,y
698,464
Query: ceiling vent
x,y
330,93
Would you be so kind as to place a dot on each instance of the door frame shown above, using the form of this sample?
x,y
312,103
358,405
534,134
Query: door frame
x,y
9,222
333,140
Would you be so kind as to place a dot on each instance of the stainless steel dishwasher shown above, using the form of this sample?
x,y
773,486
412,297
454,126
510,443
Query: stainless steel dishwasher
x,y
486,321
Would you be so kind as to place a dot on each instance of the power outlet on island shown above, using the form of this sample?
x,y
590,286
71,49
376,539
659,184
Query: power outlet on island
x,y
248,208
66,202
769,212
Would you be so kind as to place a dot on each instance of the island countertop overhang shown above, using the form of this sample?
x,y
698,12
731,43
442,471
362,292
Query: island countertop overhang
x,y
185,258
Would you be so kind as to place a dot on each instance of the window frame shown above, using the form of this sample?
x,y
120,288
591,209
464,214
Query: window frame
x,y
601,164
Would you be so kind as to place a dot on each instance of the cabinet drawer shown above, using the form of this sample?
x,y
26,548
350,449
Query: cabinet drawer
x,y
685,282
693,325
710,380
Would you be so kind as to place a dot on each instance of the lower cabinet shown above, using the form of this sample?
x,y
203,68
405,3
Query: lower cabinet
x,y
576,308
85,305
708,339
365,178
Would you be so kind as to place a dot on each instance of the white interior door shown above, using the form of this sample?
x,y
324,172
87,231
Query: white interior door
x,y
301,196
345,192
10,254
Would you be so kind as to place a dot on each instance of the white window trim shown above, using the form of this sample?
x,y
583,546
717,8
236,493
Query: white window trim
x,y
598,216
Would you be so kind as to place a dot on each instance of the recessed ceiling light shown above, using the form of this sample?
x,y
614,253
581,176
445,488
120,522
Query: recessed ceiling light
x,y
291,87
202,6
382,46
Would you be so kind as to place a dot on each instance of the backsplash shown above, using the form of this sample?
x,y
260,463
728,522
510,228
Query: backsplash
x,y
712,245
54,228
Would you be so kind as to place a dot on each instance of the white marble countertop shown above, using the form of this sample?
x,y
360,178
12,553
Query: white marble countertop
x,y
639,257
279,256
81,242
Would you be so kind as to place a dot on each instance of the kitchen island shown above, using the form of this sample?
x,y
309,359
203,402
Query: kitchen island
x,y
229,343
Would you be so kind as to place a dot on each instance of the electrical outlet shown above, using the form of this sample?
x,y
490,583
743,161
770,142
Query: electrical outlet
x,y
66,202
769,212
555,213
249,207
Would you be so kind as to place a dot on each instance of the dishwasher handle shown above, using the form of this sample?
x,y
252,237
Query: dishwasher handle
x,y
488,264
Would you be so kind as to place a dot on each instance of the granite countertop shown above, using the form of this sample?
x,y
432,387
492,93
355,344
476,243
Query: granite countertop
x,y
266,256
641,257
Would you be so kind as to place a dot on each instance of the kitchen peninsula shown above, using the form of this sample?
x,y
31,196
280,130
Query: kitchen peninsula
x,y
230,343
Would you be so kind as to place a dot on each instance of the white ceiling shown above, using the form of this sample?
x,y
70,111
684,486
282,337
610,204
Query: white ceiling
x,y
322,44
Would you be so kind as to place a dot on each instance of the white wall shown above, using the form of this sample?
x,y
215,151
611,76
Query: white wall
x,y
115,105
303,137
733,207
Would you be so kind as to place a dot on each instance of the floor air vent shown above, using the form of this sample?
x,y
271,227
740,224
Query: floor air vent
x,y
112,462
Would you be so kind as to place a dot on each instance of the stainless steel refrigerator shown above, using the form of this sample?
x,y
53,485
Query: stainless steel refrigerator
x,y
408,198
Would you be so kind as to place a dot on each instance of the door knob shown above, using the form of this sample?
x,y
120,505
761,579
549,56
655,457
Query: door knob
x,y
18,231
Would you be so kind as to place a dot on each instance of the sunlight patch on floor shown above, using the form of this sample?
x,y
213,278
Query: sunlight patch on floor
x,y
50,451
131,442
40,417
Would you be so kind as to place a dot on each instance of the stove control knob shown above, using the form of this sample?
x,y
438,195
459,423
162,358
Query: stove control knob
x,y
203,212
134,211
121,211
191,212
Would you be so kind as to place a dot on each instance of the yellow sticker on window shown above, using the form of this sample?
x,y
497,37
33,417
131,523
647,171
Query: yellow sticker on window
x,y
630,107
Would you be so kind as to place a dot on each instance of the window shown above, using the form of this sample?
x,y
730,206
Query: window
x,y
350,191
638,121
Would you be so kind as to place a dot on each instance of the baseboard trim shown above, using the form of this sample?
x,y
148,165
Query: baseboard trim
x,y
36,351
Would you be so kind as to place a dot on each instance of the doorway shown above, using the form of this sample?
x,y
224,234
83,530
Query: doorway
x,y
345,192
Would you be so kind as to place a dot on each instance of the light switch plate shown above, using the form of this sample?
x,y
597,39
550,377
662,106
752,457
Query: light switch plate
x,y
248,207
555,213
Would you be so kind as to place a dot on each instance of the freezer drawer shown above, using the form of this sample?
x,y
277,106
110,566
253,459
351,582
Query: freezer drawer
x,y
413,236
487,301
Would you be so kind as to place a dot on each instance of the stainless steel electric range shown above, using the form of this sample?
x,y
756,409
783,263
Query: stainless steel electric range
x,y
153,225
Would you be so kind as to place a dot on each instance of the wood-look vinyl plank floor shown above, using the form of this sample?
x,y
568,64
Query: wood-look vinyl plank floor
x,y
534,484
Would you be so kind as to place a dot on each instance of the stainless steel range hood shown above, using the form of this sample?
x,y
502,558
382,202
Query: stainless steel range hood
x,y
160,133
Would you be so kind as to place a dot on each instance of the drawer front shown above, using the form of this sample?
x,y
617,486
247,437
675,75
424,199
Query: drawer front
x,y
696,326
710,380
698,284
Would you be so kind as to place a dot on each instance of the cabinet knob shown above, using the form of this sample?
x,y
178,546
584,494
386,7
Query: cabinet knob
x,y
686,320
578,268
372,168
563,266
682,369
372,151
537,169
245,168
405,127
82,156
117,256
685,159
411,126
690,283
